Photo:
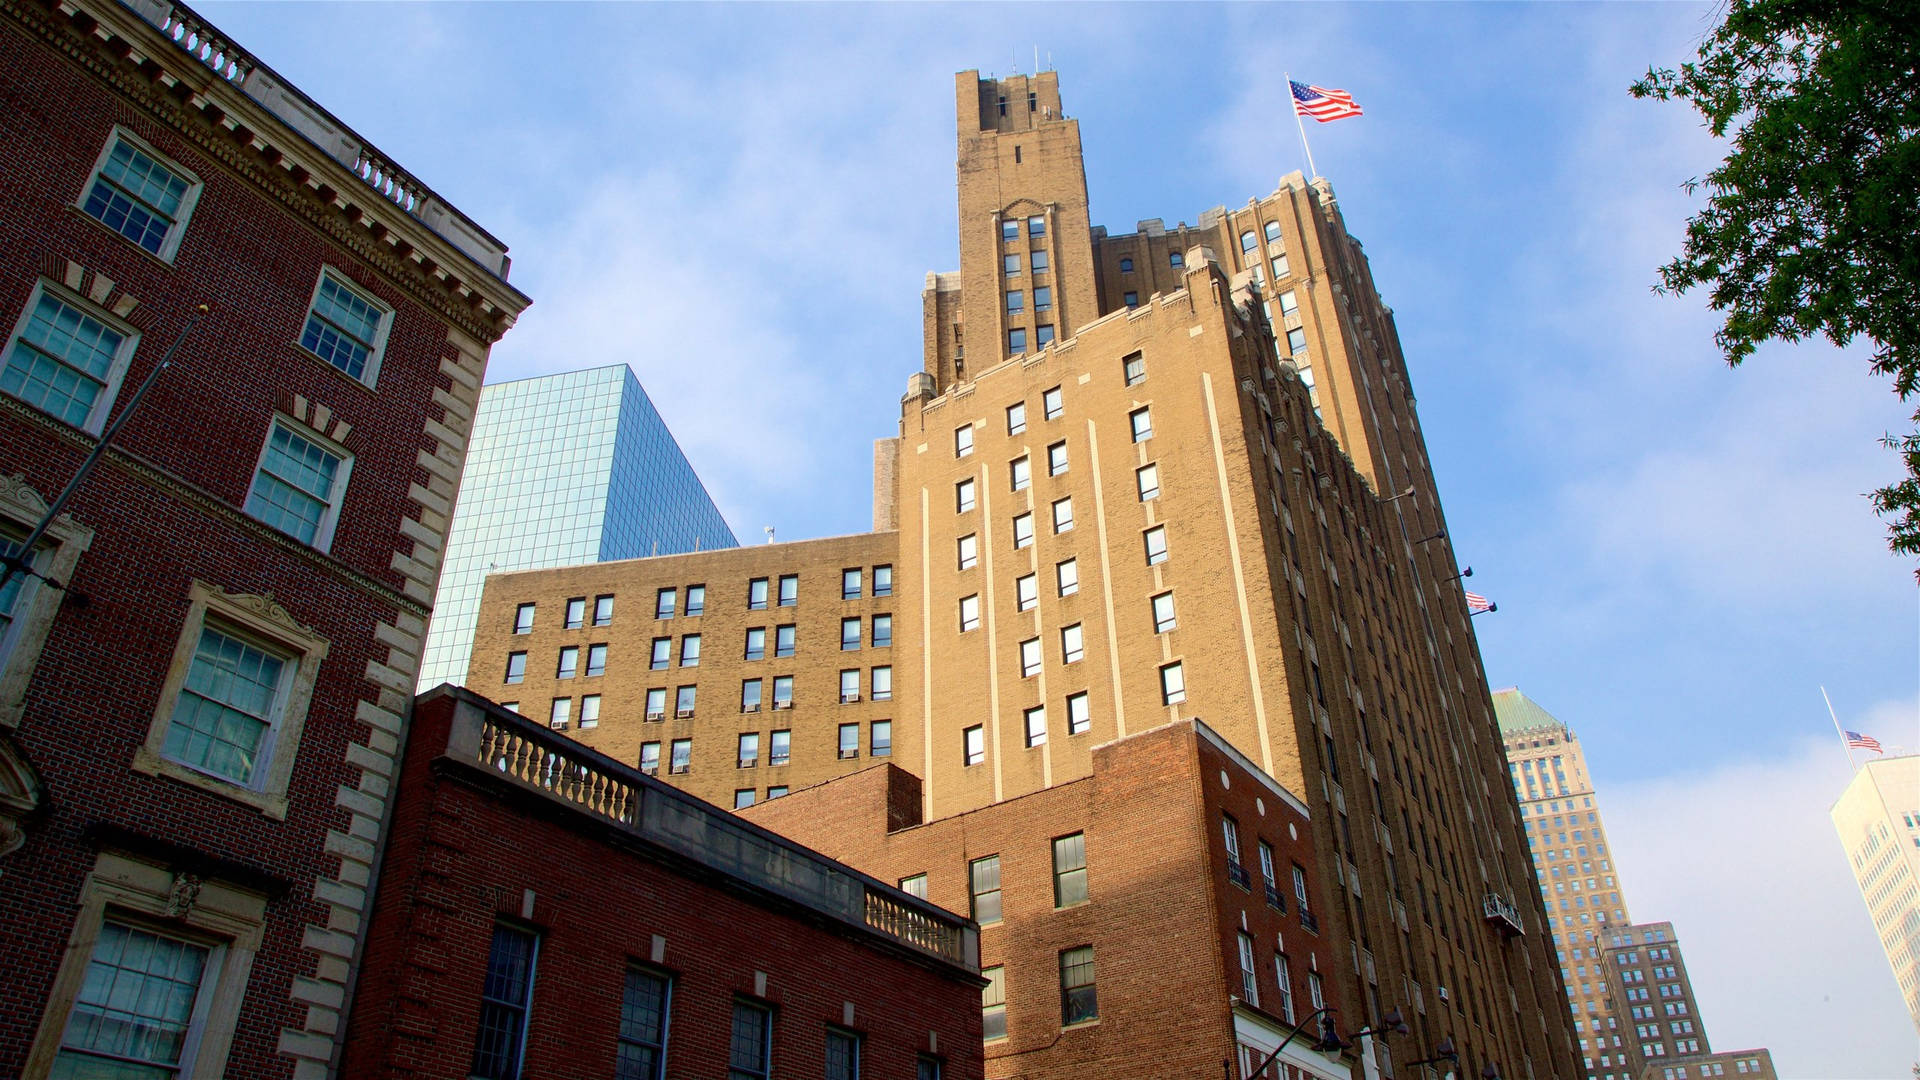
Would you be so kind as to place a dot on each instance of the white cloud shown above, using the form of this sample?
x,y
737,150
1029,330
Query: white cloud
x,y
1742,858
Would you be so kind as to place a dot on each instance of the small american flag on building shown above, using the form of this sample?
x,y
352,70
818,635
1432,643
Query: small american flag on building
x,y
1477,603
1857,741
1321,103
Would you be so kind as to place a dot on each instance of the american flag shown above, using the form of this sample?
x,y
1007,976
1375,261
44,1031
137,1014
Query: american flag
x,y
1857,741
1477,603
1321,103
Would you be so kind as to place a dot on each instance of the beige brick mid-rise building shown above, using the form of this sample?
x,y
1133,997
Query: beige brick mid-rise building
x,y
1878,819
1141,479
1647,977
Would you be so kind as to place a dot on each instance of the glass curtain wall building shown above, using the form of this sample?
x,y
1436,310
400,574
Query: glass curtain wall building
x,y
563,469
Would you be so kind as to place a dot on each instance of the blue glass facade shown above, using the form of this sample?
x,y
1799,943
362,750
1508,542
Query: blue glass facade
x,y
562,469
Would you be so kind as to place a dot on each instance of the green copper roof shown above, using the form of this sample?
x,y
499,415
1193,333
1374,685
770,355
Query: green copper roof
x,y
1518,712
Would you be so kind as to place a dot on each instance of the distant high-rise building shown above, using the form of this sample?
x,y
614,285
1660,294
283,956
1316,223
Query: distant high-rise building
x,y
1878,818
1633,1007
563,469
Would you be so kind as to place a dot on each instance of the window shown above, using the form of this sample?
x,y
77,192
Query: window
x,y
235,700
1020,473
1053,403
1043,335
1289,303
1070,870
1126,266
562,710
65,361
1285,981
750,695
1066,576
650,758
1273,232
1163,613
504,1000
883,581
1175,259
748,752
783,692
1010,264
1142,421
756,643
569,662
589,711
776,791
1249,240
882,637
969,613
750,1051
779,747
757,594
1017,340
657,703
1042,298
1063,515
849,741
849,686
963,496
1173,684
299,483
1077,1002
993,1004
963,441
850,635
696,601
1023,531
602,610
140,195
1009,228
983,883
783,640
662,654
789,589
346,327
523,619
1057,458
1148,479
683,701
969,551
1280,269
974,744
682,760
576,612
1156,543
1296,341
141,1006
1016,301
516,667
914,886
843,1055
1030,657
1016,418
1039,260
1134,368
1300,889
850,581
643,1026
880,742
882,683
1266,873
1249,977
1026,592
1072,644
1036,226
1316,989
1079,715
1131,299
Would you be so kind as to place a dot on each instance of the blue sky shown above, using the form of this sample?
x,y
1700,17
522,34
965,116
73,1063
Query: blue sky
x,y
742,202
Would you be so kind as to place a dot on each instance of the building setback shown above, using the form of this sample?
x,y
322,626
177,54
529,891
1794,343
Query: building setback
x,y
562,469
203,679
1878,820
544,910
1647,975
1140,479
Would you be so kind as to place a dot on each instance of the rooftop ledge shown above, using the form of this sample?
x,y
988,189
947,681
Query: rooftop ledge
x,y
201,40
506,748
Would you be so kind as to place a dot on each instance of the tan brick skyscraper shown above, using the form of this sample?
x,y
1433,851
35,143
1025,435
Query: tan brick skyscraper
x,y
1141,478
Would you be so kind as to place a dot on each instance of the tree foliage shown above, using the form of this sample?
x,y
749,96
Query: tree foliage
x,y
1812,223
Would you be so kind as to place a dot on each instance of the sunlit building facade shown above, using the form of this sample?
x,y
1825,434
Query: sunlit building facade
x,y
1878,819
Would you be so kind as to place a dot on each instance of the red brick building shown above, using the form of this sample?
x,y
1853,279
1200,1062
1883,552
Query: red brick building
x,y
544,910
1154,918
203,676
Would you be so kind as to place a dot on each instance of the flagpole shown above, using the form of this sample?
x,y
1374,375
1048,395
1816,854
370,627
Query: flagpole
x,y
1301,124
1837,730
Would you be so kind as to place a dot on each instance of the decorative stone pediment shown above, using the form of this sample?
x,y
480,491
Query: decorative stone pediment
x,y
20,795
19,499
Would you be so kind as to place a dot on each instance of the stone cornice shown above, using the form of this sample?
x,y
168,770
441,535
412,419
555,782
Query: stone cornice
x,y
182,91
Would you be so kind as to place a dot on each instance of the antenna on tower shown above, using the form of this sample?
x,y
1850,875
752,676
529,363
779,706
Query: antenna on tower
x,y
769,529
1036,59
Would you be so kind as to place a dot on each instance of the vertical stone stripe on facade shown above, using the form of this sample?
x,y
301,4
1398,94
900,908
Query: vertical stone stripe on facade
x,y
336,945
1239,577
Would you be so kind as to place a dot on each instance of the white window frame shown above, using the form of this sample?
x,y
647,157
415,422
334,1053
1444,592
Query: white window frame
x,y
323,532
1030,658
969,552
263,623
1026,592
34,607
1066,577
1023,530
96,418
376,349
170,245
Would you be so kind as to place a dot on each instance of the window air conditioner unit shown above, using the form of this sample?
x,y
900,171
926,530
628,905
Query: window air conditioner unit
x,y
656,716
683,714
783,704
